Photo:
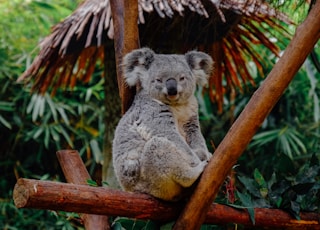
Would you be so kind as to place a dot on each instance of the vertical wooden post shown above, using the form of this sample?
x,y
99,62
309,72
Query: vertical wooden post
x,y
111,118
76,173
126,38
242,131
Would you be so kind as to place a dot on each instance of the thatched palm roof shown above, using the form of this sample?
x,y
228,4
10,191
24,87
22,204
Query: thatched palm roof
x,y
74,46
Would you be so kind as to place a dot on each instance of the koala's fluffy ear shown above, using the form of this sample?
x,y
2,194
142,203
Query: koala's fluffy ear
x,y
135,65
201,65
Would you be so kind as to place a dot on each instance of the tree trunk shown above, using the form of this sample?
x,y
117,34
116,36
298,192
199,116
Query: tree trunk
x,y
249,121
75,172
126,38
102,201
113,107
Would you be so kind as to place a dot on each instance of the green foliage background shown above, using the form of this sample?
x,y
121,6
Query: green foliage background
x,y
279,169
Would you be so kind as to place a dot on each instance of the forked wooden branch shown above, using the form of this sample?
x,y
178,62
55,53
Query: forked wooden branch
x,y
103,201
75,172
249,121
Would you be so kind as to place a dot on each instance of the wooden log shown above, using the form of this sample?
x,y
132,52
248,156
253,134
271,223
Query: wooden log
x,y
75,172
249,121
88,199
103,201
72,167
126,38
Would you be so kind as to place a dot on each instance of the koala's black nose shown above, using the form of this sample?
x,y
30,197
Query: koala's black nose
x,y
171,85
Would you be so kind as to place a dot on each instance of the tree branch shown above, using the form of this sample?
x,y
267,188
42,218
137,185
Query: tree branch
x,y
75,172
249,121
102,201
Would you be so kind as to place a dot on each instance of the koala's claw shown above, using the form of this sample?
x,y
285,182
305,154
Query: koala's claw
x,y
204,155
203,164
132,168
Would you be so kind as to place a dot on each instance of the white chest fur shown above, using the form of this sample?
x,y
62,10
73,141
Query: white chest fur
x,y
183,113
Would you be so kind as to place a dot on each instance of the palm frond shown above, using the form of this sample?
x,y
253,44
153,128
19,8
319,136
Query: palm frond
x,y
227,29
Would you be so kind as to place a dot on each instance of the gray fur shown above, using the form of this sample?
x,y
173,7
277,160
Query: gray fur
x,y
158,148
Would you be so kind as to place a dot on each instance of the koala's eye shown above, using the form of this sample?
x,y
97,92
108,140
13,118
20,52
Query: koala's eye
x,y
159,80
182,78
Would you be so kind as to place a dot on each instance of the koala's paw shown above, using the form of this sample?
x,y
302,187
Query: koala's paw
x,y
132,168
199,168
203,154
187,177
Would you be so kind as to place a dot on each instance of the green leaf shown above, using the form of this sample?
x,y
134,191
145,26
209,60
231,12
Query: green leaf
x,y
250,185
66,136
265,137
92,183
31,103
38,132
41,4
88,95
96,151
285,146
105,183
150,225
298,142
263,188
55,135
6,106
247,203
272,180
52,107
276,191
117,226
167,226
46,137
38,107
307,174
63,115
134,224
295,207
5,122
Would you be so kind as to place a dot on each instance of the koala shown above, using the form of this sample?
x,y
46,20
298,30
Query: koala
x,y
158,148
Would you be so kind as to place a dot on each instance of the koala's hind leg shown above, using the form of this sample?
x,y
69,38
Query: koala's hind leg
x,y
164,160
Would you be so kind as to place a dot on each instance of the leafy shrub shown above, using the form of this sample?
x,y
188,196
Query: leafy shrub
x,y
294,193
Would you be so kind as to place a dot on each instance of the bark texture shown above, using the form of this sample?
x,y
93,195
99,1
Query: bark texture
x,y
102,201
75,172
126,38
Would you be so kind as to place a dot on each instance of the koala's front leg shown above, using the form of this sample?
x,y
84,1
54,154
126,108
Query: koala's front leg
x,y
162,155
195,139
